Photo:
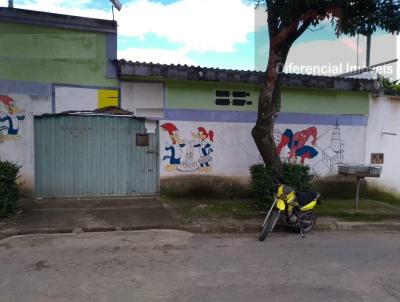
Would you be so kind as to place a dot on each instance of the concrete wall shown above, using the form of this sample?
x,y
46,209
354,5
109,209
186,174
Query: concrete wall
x,y
200,137
19,146
84,98
232,150
383,136
143,99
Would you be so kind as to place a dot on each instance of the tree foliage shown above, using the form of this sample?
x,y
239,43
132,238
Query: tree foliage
x,y
287,21
9,188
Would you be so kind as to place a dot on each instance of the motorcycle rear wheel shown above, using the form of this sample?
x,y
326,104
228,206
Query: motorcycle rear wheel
x,y
269,225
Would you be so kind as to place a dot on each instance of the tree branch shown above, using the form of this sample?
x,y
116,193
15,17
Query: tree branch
x,y
300,31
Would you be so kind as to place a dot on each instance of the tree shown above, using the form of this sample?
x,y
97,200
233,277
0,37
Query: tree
x,y
287,21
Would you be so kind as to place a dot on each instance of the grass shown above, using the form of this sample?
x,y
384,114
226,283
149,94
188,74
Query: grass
x,y
343,209
369,210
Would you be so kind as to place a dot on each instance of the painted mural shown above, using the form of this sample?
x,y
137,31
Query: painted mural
x,y
305,145
297,143
332,155
10,117
181,153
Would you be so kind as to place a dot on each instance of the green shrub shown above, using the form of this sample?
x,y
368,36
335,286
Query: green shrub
x,y
265,180
297,176
9,188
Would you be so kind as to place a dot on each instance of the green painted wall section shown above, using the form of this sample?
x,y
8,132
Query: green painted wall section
x,y
52,55
200,95
324,102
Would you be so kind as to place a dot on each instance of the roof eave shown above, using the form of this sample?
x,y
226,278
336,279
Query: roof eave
x,y
197,73
57,20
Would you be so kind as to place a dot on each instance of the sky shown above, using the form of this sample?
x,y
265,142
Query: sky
x,y
228,34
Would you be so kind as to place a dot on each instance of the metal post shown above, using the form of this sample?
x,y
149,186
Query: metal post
x,y
358,191
10,3
368,62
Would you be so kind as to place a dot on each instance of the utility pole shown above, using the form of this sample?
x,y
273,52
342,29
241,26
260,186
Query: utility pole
x,y
368,50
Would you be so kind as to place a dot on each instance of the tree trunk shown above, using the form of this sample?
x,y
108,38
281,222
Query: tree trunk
x,y
269,104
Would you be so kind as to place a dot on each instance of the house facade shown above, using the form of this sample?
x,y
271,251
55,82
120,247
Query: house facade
x,y
206,116
59,74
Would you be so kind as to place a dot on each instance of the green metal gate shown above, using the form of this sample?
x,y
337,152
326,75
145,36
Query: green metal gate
x,y
94,155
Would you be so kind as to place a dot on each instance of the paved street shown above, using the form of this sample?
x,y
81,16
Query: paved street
x,y
166,265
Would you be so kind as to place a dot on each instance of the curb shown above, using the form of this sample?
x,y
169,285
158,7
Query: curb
x,y
48,231
209,226
253,226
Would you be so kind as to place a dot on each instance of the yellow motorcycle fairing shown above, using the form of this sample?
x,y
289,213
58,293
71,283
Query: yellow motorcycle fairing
x,y
309,206
280,204
285,195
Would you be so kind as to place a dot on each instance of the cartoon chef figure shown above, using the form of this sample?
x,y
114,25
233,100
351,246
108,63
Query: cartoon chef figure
x,y
174,146
10,116
204,144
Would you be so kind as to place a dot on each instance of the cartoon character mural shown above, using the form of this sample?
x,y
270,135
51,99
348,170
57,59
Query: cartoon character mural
x,y
204,144
10,117
297,144
182,156
174,147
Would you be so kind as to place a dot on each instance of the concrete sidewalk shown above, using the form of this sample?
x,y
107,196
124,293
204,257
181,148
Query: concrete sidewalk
x,y
50,216
88,215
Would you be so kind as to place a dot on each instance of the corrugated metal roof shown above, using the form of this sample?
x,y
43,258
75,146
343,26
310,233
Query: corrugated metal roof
x,y
129,69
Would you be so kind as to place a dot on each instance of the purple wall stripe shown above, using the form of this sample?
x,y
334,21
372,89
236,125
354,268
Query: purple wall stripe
x,y
250,117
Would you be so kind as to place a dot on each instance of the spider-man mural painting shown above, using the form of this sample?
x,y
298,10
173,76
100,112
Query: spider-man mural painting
x,y
297,144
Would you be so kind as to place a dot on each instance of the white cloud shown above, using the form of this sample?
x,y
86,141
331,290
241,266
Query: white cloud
x,y
162,56
342,52
206,25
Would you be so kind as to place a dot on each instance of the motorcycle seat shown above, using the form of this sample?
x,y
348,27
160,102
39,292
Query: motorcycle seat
x,y
304,198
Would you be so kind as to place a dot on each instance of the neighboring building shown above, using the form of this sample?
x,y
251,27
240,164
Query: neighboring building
x,y
189,121
54,63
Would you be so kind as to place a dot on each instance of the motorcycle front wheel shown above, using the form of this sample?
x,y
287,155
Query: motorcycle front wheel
x,y
308,220
269,225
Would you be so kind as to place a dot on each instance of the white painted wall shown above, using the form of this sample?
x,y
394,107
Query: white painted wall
x,y
74,98
144,99
234,150
385,116
21,149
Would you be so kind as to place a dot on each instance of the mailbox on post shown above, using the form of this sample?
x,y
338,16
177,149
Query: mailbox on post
x,y
360,172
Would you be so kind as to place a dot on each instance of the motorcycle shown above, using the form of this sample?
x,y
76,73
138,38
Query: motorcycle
x,y
295,209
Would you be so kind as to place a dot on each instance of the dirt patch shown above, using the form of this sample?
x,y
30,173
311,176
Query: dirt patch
x,y
40,265
206,187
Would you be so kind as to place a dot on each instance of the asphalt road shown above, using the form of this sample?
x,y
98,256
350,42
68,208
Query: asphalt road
x,y
179,266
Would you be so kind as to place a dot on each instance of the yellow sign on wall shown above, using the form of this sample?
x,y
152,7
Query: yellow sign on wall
x,y
107,98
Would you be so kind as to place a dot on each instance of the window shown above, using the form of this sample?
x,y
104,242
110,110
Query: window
x,y
232,98
222,102
223,93
240,94
238,102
